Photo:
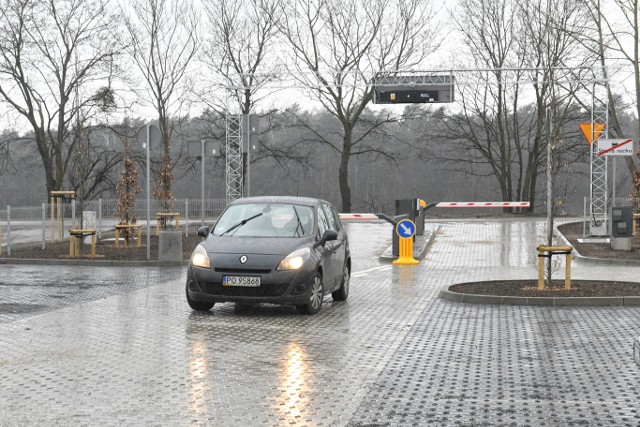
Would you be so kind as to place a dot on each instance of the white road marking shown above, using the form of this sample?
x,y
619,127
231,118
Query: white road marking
x,y
364,272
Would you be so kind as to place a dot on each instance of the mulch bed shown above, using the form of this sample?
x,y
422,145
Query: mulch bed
x,y
579,288
529,288
105,249
574,231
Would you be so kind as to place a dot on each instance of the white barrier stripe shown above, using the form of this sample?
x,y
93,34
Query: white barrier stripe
x,y
357,216
483,205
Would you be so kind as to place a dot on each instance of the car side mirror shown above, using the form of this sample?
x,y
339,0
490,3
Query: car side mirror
x,y
203,231
328,236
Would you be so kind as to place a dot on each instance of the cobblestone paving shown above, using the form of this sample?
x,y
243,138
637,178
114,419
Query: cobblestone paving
x,y
30,290
129,351
468,364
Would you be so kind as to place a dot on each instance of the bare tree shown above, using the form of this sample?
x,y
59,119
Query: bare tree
x,y
339,46
127,187
239,49
92,165
163,41
54,57
520,45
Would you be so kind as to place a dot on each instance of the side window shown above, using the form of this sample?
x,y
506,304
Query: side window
x,y
336,217
330,217
322,221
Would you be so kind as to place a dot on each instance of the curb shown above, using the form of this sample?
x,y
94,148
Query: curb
x,y
91,262
631,301
636,350
590,260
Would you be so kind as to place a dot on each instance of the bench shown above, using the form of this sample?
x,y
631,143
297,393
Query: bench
x,y
75,240
127,227
166,216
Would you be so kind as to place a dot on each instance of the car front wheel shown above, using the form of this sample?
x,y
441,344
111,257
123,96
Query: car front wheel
x,y
343,293
198,305
315,299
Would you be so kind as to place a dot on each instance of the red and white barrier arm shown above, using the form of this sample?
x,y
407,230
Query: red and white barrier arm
x,y
357,217
483,205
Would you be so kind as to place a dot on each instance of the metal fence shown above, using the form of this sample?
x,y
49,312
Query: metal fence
x,y
32,224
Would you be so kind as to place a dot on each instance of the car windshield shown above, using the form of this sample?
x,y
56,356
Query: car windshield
x,y
265,220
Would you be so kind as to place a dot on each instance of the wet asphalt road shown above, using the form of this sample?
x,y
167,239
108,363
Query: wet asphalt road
x,y
106,346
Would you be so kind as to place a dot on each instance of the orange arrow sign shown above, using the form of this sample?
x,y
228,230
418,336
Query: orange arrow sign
x,y
592,131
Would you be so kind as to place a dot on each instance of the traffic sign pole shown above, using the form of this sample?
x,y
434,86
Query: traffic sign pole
x,y
405,230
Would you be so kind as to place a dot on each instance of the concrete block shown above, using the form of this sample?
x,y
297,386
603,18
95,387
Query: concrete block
x,y
621,243
88,223
170,246
632,301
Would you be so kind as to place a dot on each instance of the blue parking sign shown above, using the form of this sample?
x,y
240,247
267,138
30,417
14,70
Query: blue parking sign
x,y
406,228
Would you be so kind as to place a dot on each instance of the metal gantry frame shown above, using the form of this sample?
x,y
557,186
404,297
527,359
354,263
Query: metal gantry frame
x,y
599,164
411,78
234,166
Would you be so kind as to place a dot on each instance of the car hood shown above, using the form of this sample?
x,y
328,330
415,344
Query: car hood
x,y
254,245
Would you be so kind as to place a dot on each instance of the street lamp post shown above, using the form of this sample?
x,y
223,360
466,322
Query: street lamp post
x,y
203,142
147,135
148,193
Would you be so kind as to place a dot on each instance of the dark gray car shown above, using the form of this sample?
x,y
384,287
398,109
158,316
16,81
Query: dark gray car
x,y
284,250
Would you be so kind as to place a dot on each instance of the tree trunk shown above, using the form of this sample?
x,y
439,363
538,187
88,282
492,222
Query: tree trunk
x,y
343,174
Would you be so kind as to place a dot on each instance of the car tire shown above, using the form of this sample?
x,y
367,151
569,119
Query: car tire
x,y
343,292
315,299
199,305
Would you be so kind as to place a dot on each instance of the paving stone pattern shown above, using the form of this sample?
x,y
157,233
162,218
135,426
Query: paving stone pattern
x,y
128,350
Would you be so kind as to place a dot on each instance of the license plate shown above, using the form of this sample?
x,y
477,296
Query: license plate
x,y
247,281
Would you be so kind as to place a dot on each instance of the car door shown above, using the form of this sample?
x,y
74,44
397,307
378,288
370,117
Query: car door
x,y
339,245
328,254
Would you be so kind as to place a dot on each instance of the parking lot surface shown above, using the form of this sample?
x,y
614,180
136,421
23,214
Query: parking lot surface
x,y
96,345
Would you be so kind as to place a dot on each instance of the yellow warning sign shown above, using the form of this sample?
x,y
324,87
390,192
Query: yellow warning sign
x,y
592,131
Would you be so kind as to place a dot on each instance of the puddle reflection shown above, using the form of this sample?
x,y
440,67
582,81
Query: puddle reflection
x,y
198,375
294,384
518,241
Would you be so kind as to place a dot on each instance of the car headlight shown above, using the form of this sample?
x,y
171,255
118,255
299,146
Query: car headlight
x,y
295,259
200,257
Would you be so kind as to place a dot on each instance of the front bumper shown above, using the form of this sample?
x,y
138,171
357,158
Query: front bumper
x,y
277,287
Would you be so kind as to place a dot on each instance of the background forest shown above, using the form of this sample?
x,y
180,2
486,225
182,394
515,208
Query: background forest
x,y
79,79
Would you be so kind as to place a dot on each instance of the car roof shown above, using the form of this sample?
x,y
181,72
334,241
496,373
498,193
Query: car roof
x,y
306,201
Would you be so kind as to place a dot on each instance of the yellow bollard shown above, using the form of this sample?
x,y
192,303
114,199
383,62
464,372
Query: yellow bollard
x,y
405,252
405,230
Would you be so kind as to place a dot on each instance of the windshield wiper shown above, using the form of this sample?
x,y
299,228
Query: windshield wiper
x,y
241,223
299,223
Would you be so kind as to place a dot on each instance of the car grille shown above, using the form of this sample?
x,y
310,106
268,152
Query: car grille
x,y
237,291
241,271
